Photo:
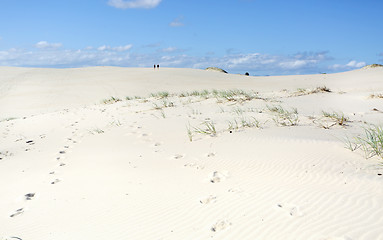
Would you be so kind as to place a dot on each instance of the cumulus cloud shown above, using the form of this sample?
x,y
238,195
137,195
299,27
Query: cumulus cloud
x,y
355,64
134,4
262,63
170,50
89,56
118,49
47,45
254,63
177,22
348,66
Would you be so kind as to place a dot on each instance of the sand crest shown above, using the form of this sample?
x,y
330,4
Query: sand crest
x,y
128,153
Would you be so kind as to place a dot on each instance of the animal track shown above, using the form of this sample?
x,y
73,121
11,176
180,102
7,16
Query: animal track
x,y
178,156
56,181
17,212
209,199
29,196
11,238
293,211
217,177
194,165
220,225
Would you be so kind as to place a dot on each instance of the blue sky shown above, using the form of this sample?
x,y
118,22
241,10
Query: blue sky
x,y
262,37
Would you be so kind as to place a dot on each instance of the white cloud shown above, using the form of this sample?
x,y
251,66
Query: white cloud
x,y
295,64
170,49
47,45
123,48
355,64
63,58
350,65
254,63
177,22
117,49
134,4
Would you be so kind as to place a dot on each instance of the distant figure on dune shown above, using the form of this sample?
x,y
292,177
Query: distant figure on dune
x,y
154,66
158,66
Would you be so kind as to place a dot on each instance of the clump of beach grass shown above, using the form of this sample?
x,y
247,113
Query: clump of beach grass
x,y
376,95
284,117
96,131
244,122
236,95
111,100
338,117
160,95
208,128
371,143
163,104
307,91
189,132
116,123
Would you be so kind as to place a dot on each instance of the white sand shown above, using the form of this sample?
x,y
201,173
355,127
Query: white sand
x,y
74,168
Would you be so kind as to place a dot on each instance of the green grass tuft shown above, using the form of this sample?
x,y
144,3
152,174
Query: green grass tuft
x,y
111,100
338,117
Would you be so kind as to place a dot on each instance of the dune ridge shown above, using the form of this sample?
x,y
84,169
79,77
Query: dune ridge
x,y
256,158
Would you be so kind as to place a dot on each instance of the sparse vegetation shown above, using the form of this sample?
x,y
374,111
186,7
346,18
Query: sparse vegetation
x,y
236,95
160,95
373,66
164,104
216,69
116,123
376,95
190,133
163,115
338,117
111,100
250,122
284,117
233,125
208,128
96,131
304,91
371,143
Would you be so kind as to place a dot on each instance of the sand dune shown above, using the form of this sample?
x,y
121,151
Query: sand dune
x,y
77,164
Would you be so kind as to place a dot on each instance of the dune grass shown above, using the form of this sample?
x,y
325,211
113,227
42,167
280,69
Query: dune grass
x,y
160,95
111,100
371,143
377,95
189,132
96,131
284,117
306,91
338,117
163,104
208,128
243,122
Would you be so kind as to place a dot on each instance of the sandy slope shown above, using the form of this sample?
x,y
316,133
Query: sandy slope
x,y
75,168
